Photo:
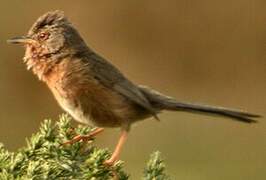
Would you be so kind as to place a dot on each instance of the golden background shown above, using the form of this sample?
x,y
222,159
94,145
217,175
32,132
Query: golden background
x,y
207,51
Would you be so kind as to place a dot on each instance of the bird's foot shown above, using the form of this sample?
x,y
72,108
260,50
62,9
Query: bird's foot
x,y
110,162
84,137
115,156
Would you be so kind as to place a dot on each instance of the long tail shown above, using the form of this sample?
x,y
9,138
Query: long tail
x,y
162,102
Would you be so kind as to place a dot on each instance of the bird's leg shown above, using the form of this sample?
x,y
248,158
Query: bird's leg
x,y
118,148
84,137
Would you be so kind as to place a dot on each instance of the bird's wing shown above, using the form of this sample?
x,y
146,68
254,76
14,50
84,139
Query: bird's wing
x,y
110,77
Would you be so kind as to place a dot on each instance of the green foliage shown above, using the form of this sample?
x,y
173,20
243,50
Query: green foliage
x,y
45,157
155,169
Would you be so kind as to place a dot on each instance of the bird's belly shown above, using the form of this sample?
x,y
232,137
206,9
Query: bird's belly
x,y
97,105
88,111
74,110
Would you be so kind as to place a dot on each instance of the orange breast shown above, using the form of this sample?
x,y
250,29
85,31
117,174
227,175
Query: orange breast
x,y
85,98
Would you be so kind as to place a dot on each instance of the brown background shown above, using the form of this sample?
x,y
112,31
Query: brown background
x,y
207,51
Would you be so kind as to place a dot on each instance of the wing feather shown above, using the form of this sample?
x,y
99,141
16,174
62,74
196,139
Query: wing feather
x,y
111,77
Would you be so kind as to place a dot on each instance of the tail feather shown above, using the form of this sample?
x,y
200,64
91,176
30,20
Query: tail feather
x,y
235,114
162,102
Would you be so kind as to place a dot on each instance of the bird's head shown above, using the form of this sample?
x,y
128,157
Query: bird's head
x,y
51,38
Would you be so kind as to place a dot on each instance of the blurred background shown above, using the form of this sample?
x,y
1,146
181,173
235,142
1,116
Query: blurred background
x,y
207,51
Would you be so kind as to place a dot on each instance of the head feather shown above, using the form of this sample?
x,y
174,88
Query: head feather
x,y
48,19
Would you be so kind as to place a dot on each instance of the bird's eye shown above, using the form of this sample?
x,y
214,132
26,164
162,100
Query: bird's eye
x,y
43,36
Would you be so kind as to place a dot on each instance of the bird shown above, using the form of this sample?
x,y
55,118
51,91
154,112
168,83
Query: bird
x,y
91,89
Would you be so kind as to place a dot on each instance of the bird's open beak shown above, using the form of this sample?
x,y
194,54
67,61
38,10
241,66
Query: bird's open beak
x,y
21,40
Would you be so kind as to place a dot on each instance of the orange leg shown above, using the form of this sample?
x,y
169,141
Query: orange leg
x,y
84,137
118,148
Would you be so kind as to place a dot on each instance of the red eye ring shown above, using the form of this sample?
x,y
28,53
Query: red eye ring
x,y
43,36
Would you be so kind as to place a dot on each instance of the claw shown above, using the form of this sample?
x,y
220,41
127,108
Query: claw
x,y
84,138
109,162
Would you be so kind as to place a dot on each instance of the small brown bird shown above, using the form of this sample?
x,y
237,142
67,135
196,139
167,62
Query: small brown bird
x,y
90,88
